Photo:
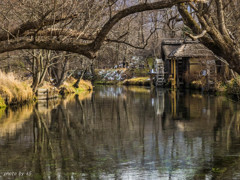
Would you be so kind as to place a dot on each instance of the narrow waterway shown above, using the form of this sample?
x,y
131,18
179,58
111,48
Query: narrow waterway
x,y
123,133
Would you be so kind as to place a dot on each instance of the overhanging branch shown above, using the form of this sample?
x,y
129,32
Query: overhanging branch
x,y
196,37
87,49
131,10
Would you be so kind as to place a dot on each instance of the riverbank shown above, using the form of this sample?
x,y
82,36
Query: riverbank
x,y
68,87
230,88
122,76
16,92
138,81
140,77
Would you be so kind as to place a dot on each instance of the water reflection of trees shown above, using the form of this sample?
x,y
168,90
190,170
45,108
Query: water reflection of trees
x,y
15,140
218,118
117,131
12,120
132,133
89,136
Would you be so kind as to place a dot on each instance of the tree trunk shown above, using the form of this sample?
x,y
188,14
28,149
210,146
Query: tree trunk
x,y
36,73
76,84
63,73
218,38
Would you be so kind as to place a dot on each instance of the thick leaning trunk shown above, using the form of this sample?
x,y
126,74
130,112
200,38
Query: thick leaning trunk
x,y
51,41
231,55
233,58
217,39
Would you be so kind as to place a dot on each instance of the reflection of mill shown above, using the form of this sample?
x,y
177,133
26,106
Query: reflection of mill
x,y
171,101
159,104
179,106
186,105
174,103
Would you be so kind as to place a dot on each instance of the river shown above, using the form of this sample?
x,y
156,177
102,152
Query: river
x,y
123,133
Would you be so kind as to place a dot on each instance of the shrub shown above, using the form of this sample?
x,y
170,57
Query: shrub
x,y
139,81
233,87
2,103
14,90
68,88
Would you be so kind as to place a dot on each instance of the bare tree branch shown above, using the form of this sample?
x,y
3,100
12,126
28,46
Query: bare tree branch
x,y
204,32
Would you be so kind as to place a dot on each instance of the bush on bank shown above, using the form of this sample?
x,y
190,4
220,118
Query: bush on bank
x,y
13,91
67,87
231,87
2,103
138,81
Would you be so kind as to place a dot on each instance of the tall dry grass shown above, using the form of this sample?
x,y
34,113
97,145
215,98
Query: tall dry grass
x,y
84,85
14,90
137,81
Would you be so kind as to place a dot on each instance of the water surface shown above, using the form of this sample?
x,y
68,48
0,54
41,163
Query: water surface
x,y
123,133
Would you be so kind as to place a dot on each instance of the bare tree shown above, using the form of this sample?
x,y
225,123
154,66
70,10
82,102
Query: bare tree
x,y
64,25
83,27
214,23
47,65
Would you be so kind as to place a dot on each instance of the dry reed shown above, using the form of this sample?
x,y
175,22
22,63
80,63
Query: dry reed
x,y
84,85
13,90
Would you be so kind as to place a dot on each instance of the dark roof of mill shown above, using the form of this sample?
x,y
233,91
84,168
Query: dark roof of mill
x,y
180,48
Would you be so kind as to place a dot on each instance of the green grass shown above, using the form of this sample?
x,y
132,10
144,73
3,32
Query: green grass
x,y
2,103
138,81
67,87
141,72
105,82
2,112
150,62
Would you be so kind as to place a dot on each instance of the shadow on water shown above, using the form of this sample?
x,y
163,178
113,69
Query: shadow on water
x,y
123,133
